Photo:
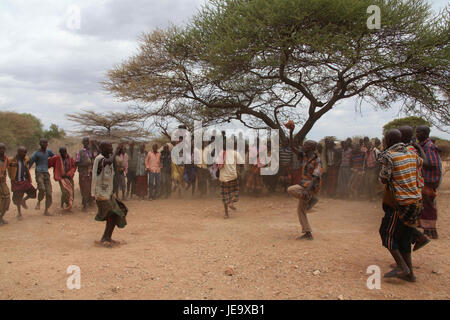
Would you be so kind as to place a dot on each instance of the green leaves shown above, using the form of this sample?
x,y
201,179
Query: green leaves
x,y
267,61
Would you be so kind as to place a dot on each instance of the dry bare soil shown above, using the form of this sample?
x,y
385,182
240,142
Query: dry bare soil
x,y
180,248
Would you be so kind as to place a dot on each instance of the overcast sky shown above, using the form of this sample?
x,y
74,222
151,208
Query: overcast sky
x,y
50,67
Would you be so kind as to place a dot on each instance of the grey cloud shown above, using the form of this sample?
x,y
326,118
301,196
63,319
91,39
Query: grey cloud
x,y
117,19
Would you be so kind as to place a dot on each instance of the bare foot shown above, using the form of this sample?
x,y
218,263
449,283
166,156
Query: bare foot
x,y
38,207
306,236
231,206
226,216
24,204
48,214
397,273
103,243
107,244
3,222
19,217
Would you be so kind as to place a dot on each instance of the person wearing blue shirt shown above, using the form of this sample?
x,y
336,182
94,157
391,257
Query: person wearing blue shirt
x,y
40,157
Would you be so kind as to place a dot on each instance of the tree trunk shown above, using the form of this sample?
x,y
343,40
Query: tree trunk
x,y
307,126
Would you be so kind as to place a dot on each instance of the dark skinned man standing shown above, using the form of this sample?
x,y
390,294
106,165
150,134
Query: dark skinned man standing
x,y
21,181
4,190
419,239
402,202
83,161
63,171
308,187
40,157
110,209
432,174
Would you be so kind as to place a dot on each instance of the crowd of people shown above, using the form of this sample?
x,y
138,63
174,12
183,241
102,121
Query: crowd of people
x,y
410,170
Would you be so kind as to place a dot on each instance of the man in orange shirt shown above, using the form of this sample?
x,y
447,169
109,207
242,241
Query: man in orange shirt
x,y
153,166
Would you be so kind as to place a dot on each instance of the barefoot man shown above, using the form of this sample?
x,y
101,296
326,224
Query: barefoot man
x,y
44,184
109,209
83,161
63,171
19,173
228,177
308,187
432,174
402,202
4,190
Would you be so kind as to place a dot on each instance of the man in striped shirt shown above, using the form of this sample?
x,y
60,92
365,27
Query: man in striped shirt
x,y
432,173
402,202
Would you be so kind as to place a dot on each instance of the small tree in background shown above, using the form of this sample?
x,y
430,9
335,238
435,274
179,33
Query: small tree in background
x,y
18,129
113,126
408,121
54,132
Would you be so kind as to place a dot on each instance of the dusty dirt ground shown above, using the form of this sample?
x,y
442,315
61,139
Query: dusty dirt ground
x,y
180,248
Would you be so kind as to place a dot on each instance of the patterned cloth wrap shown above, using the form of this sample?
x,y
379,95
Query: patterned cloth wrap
x,y
409,214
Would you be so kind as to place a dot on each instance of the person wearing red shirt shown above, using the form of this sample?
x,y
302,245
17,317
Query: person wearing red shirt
x,y
63,171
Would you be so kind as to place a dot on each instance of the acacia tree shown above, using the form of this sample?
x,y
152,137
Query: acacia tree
x,y
407,121
110,125
265,61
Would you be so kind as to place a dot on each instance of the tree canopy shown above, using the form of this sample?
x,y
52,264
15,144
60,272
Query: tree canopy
x,y
24,129
262,62
408,121
114,126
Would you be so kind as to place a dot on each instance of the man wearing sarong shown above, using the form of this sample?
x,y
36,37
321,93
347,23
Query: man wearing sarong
x,y
402,202
308,186
83,161
255,183
44,185
132,154
357,171
227,162
121,169
63,171
332,158
432,174
141,174
345,169
110,209
190,174
4,190
370,170
419,239
166,172
21,182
